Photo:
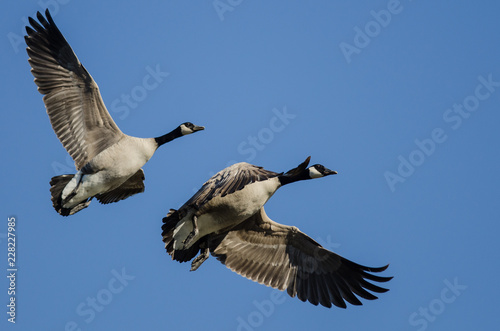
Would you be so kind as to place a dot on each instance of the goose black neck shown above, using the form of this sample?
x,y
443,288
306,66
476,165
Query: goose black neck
x,y
287,179
176,133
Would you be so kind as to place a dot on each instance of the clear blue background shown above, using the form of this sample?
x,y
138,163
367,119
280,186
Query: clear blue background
x,y
359,115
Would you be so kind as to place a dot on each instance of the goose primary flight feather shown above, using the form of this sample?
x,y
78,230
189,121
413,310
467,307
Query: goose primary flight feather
x,y
226,218
108,162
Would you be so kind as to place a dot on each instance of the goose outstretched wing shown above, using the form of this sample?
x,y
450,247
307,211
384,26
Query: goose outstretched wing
x,y
72,99
285,258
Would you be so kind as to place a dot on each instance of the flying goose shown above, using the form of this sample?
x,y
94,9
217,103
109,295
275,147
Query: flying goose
x,y
108,161
226,218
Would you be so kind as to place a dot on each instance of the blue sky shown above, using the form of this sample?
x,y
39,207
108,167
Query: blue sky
x,y
402,98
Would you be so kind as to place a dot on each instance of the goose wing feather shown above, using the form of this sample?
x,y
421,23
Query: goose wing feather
x,y
71,96
227,181
133,185
285,258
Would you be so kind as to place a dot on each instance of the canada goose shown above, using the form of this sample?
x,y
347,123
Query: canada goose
x,y
108,161
226,217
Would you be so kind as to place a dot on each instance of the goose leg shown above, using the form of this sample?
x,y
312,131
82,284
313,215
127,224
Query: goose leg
x,y
200,259
75,190
193,233
85,170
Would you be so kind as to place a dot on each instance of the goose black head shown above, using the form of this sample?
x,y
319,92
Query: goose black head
x,y
188,128
181,130
318,170
302,172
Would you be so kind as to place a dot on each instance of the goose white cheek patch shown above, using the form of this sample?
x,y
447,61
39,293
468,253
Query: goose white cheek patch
x,y
313,173
185,130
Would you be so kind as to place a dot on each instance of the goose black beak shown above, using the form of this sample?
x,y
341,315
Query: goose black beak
x,y
198,128
330,172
